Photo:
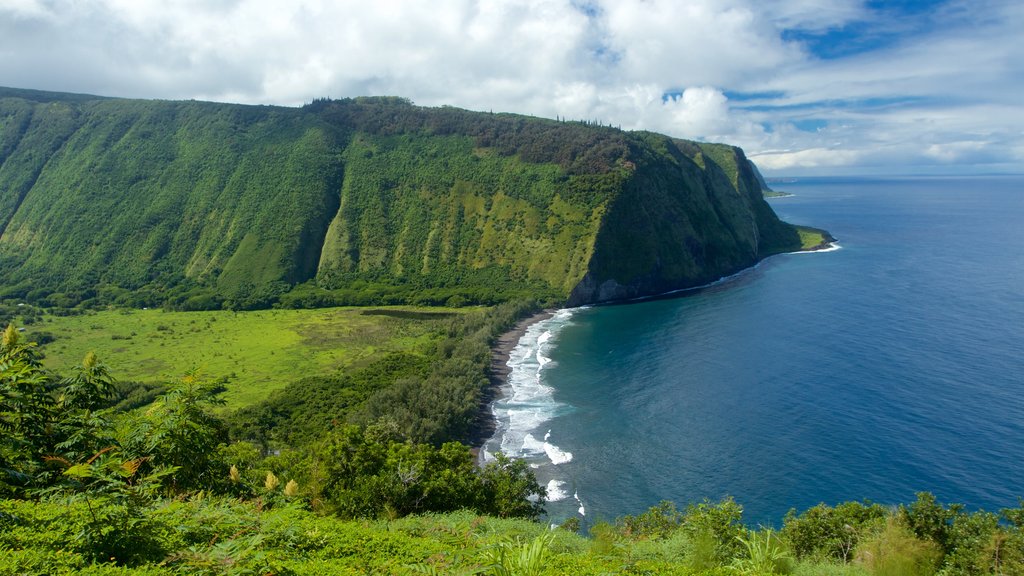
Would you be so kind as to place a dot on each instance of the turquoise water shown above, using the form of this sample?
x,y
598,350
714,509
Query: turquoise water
x,y
890,366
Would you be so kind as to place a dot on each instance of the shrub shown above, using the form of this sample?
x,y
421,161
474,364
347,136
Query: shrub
x,y
894,551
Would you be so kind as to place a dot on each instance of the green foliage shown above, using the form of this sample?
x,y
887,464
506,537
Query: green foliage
x,y
723,521
704,205
301,412
114,497
515,559
199,206
431,396
180,432
658,522
26,411
813,238
893,550
701,551
831,533
704,537
367,472
261,351
975,543
510,489
809,568
765,554
223,535
90,387
131,395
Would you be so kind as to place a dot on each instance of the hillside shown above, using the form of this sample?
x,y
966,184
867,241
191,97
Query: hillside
x,y
197,205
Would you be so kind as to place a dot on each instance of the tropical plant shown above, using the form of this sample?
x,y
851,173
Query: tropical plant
x,y
764,554
831,532
657,522
519,559
26,414
894,550
179,431
510,489
117,497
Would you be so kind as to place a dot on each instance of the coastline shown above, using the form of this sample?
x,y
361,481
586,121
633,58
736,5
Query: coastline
x,y
497,375
828,241
485,425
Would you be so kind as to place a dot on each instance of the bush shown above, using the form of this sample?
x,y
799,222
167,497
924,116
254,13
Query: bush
x,y
830,533
893,550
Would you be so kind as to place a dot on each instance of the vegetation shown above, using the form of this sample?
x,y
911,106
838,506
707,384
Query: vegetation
x,y
113,476
432,398
285,376
177,489
335,441
258,352
367,201
813,238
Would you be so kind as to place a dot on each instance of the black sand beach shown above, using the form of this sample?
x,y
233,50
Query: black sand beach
x,y
497,375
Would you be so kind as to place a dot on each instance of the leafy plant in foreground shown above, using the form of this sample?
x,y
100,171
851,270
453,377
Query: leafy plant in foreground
x,y
519,559
894,551
765,554
179,431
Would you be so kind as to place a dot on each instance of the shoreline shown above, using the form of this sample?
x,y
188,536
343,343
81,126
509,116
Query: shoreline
x,y
497,376
485,425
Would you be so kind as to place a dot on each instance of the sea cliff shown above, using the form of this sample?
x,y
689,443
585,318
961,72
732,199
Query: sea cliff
x,y
204,205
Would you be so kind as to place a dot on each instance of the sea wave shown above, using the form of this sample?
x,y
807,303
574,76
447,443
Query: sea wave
x,y
556,490
527,403
832,247
527,406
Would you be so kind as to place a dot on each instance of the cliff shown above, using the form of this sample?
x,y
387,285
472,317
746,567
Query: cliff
x,y
205,204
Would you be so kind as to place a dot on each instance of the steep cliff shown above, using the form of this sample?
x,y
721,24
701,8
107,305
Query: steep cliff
x,y
212,202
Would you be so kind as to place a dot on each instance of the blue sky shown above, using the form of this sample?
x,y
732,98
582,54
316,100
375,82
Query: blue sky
x,y
804,86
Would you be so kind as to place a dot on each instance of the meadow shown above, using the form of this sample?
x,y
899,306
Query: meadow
x,y
259,351
813,238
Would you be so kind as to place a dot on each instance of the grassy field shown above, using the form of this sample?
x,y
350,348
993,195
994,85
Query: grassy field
x,y
811,238
260,351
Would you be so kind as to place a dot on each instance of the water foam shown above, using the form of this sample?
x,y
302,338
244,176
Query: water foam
x,y
556,454
832,247
527,405
555,490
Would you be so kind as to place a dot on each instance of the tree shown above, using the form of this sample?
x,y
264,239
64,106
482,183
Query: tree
x,y
510,489
83,427
179,431
90,388
26,413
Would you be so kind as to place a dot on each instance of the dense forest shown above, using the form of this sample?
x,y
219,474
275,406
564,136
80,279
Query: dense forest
x,y
366,201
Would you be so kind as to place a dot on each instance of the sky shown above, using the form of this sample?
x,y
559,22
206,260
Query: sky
x,y
806,87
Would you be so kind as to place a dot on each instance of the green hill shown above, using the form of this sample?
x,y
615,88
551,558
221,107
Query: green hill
x,y
370,200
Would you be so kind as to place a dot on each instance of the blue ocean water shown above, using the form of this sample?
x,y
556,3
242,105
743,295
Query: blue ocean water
x,y
892,365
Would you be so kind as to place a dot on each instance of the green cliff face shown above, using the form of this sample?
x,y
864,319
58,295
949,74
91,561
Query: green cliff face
x,y
110,194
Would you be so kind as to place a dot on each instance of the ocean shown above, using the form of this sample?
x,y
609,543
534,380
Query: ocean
x,y
891,365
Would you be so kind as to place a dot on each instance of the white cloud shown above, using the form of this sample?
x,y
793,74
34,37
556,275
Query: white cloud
x,y
24,8
813,15
703,113
808,158
695,43
923,98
